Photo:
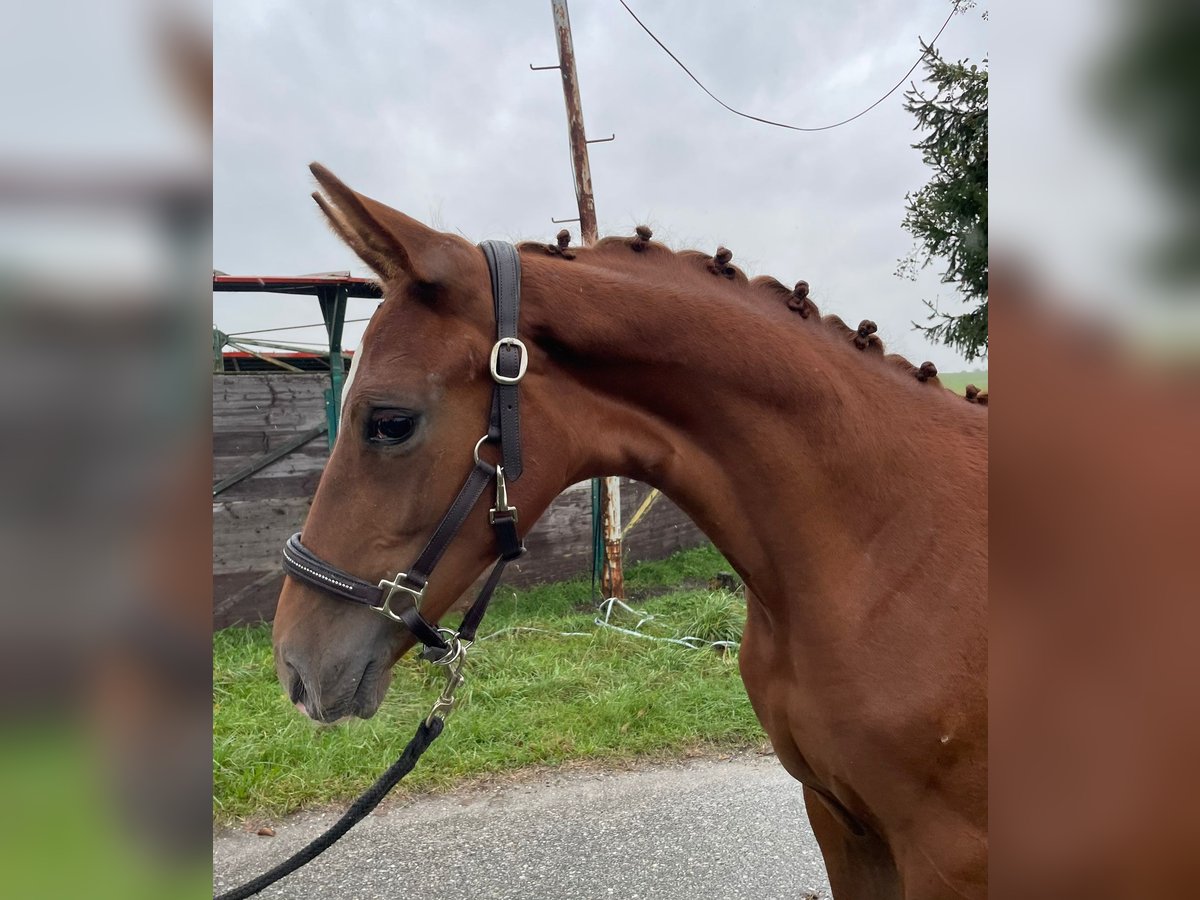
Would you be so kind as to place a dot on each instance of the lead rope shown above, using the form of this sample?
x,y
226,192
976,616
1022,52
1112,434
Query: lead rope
x,y
427,733
454,661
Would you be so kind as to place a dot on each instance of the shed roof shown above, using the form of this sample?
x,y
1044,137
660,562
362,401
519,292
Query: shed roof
x,y
309,285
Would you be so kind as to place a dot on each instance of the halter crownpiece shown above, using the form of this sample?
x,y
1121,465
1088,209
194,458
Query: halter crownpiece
x,y
399,599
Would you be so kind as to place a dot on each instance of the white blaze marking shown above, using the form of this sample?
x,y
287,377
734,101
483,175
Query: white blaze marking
x,y
346,388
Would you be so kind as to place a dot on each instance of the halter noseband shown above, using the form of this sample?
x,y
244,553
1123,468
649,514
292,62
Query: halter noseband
x,y
400,598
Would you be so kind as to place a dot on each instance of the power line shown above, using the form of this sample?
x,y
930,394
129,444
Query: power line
x,y
924,52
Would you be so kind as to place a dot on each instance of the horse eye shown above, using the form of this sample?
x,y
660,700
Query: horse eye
x,y
390,426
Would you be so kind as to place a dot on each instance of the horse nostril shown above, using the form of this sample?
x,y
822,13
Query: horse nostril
x,y
296,685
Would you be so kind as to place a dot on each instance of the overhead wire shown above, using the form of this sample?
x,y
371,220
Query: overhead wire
x,y
925,52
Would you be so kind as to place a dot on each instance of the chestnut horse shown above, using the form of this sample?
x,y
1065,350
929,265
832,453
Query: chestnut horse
x,y
846,487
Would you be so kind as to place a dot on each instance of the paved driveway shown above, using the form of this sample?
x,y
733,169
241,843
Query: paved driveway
x,y
723,830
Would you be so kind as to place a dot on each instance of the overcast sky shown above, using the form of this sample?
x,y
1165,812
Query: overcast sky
x,y
432,108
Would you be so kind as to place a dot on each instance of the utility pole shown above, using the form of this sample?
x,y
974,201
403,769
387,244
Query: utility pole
x,y
612,579
578,135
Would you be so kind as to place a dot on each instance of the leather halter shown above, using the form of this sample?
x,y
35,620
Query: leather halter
x,y
400,598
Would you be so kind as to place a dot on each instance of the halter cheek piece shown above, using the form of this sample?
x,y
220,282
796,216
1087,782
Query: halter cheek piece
x,y
400,598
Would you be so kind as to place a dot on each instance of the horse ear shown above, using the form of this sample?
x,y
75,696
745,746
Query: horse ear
x,y
386,239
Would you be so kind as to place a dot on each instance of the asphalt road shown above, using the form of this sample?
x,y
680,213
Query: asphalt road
x,y
703,829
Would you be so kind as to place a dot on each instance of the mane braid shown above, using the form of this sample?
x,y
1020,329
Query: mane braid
x,y
620,249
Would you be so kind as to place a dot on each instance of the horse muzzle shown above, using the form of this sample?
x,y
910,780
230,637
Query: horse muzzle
x,y
332,663
327,694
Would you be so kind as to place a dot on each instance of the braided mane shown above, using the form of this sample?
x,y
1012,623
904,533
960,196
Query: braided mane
x,y
795,298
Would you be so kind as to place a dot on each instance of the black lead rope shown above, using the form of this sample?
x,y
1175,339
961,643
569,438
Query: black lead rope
x,y
507,365
426,734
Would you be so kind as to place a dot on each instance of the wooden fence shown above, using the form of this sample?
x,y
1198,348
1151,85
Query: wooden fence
x,y
256,413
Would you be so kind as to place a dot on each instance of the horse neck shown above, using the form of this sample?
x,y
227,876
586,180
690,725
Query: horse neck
x,y
792,450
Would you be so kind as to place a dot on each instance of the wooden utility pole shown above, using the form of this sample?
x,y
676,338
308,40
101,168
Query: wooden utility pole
x,y
579,151
612,579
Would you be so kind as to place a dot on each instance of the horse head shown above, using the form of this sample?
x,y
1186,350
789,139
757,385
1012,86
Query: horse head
x,y
417,405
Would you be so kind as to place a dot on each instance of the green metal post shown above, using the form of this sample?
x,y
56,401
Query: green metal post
x,y
219,341
333,310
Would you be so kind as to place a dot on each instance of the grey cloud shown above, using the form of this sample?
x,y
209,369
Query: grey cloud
x,y
432,108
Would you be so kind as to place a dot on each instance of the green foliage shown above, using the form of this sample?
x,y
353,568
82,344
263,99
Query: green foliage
x,y
948,217
1148,87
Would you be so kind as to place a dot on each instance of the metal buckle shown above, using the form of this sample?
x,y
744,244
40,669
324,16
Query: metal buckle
x,y
454,660
501,507
522,364
392,587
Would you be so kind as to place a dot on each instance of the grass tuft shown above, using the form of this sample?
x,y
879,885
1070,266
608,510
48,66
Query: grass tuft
x,y
719,616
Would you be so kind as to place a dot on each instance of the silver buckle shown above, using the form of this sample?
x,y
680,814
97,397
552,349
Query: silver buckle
x,y
522,364
392,587
501,498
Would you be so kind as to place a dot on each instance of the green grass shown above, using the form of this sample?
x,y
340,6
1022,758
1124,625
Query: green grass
x,y
60,835
532,699
958,381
